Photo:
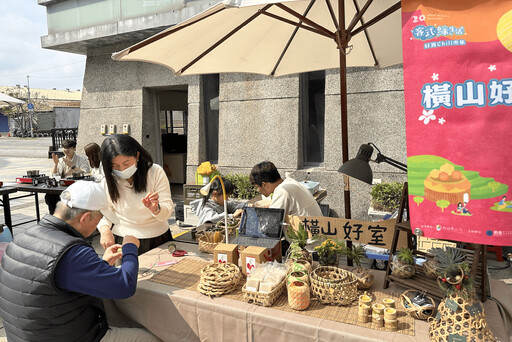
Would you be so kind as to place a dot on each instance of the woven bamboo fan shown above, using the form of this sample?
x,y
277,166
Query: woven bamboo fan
x,y
219,279
333,285
458,319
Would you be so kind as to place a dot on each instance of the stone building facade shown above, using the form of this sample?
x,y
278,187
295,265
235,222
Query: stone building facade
x,y
259,118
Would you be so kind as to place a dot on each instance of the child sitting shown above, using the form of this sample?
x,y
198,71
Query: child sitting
x,y
210,209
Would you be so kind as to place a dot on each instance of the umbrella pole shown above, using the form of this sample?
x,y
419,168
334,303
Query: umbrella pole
x,y
343,103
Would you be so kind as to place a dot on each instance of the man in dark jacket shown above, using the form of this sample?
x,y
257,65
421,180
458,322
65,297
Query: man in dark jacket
x,y
51,279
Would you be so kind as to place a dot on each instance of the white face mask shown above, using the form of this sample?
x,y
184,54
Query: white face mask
x,y
126,173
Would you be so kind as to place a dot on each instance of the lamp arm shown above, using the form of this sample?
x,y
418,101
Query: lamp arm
x,y
382,158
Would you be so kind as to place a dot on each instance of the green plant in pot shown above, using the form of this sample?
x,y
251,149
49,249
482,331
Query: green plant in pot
x,y
298,241
329,252
364,276
403,263
386,196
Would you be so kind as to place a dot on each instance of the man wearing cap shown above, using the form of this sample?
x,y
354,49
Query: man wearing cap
x,y
51,279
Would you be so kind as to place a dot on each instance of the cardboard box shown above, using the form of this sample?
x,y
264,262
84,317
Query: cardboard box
x,y
224,253
252,256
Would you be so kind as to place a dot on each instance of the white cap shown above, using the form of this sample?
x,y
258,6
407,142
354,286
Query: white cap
x,y
88,195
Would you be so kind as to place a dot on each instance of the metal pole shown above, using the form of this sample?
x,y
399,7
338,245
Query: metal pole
x,y
343,104
30,111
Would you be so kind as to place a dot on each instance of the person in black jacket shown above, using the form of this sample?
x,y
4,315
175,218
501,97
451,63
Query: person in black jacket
x,y
52,280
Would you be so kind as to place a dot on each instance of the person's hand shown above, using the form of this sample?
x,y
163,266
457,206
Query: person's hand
x,y
55,158
131,239
112,254
107,238
238,212
152,203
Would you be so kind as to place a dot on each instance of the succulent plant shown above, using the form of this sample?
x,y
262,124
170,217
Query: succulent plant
x,y
356,253
406,256
447,259
300,236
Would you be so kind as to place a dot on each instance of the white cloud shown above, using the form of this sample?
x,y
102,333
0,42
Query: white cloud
x,y
21,54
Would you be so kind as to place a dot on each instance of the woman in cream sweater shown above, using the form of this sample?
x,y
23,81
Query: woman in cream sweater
x,y
138,192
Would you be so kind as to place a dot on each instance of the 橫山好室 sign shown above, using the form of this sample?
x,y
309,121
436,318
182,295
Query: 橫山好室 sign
x,y
373,233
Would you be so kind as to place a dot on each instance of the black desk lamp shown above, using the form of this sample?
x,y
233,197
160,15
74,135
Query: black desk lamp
x,y
359,167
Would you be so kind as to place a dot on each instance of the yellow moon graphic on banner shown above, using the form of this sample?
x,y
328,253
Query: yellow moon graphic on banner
x,y
504,30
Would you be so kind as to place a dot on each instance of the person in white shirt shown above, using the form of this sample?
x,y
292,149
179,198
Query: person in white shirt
x,y
286,194
93,153
138,193
71,162
64,167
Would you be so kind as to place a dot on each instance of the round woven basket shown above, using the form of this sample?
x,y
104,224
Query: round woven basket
x,y
208,247
333,285
418,312
429,269
218,279
297,276
403,271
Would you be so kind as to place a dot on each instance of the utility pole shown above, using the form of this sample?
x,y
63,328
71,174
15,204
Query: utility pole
x,y
30,107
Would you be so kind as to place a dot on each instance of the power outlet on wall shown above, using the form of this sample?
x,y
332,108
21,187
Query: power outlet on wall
x,y
111,129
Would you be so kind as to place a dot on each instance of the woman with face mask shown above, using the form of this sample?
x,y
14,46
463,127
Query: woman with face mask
x,y
138,193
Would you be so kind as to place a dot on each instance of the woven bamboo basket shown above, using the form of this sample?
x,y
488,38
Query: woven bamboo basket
x,y
208,247
219,279
364,278
468,321
403,271
418,312
429,269
264,299
333,285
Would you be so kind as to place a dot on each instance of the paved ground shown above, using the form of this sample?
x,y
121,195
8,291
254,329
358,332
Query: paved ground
x,y
24,209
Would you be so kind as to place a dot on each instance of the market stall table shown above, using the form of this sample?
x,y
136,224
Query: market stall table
x,y
176,314
5,191
37,189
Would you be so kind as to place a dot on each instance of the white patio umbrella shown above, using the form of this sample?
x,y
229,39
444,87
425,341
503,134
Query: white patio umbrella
x,y
6,100
280,38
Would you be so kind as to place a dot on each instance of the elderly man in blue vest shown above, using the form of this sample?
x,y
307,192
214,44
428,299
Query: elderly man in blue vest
x,y
52,280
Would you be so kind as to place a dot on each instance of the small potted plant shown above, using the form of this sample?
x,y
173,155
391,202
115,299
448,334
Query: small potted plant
x,y
364,276
403,263
385,199
329,252
298,240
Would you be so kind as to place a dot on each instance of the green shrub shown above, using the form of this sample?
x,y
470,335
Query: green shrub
x,y
243,187
386,196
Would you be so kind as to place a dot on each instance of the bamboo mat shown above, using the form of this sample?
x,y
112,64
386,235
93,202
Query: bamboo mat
x,y
186,274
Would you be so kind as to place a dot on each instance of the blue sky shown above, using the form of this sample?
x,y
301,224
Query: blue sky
x,y
23,24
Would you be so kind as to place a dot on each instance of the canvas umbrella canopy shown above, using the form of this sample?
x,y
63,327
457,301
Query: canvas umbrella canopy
x,y
6,100
280,38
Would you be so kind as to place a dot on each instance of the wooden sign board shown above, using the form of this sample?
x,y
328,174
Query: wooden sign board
x,y
373,233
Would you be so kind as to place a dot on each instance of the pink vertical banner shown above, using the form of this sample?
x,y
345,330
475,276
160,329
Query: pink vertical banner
x,y
458,106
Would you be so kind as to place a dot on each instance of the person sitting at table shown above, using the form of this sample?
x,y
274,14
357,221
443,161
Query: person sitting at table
x,y
138,192
64,167
286,194
93,153
210,209
52,291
